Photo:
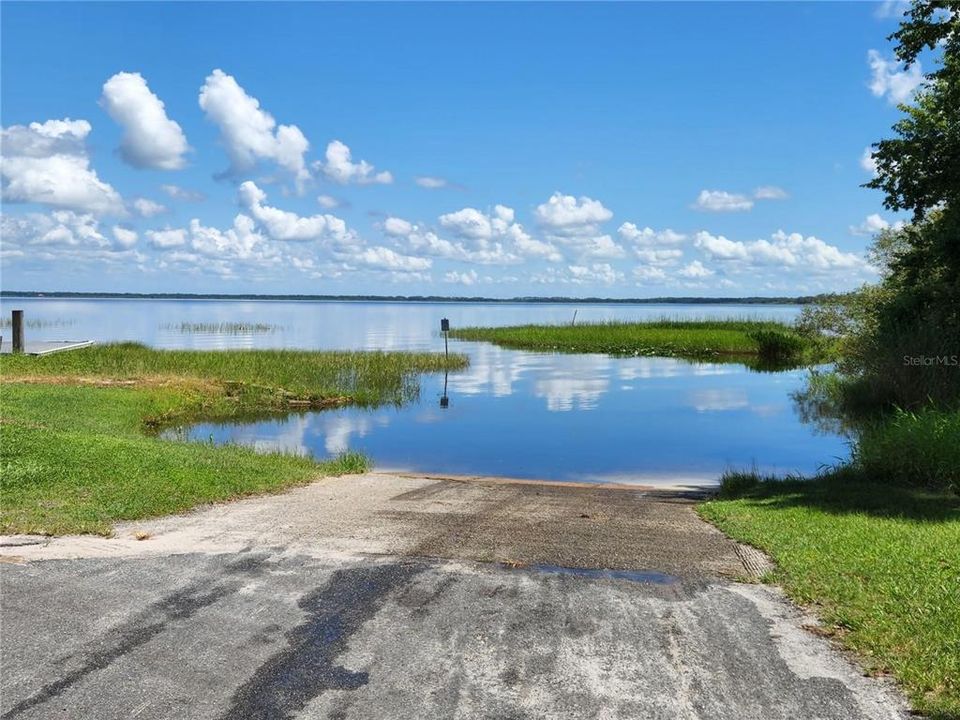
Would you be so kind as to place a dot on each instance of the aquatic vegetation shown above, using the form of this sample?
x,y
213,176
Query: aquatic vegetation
x,y
275,378
776,344
38,323
223,328
736,338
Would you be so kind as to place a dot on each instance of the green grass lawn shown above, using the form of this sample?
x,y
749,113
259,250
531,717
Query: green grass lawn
x,y
78,449
693,339
880,564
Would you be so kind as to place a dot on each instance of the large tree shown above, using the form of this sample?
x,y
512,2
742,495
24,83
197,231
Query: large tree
x,y
915,309
919,169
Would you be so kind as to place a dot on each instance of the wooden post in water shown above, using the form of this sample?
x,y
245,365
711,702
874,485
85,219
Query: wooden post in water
x,y
17,322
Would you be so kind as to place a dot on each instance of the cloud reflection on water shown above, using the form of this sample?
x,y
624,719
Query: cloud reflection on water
x,y
551,416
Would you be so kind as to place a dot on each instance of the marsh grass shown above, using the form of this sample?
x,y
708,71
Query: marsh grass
x,y
878,562
222,328
78,441
734,338
269,379
37,323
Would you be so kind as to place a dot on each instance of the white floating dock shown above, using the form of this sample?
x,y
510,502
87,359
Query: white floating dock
x,y
45,347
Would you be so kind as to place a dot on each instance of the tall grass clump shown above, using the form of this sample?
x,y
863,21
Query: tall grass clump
x,y
779,345
912,448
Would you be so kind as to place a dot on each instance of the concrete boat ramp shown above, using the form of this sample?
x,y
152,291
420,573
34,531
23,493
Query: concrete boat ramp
x,y
392,596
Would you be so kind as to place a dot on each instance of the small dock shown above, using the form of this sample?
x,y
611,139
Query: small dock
x,y
41,347
19,344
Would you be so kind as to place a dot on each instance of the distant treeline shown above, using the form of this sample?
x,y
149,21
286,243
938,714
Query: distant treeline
x,y
753,300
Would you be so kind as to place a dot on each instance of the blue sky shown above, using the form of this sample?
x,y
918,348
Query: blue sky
x,y
622,150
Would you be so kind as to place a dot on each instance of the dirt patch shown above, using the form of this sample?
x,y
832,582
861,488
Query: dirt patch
x,y
148,381
486,520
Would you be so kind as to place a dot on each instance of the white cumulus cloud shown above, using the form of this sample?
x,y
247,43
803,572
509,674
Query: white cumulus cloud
x,y
241,241
66,236
144,207
603,273
468,277
60,227
722,201
250,134
648,236
567,213
431,183
168,238
695,271
183,194
47,163
386,259
124,237
492,238
659,256
718,246
150,138
340,168
873,224
890,80
397,227
328,202
786,251
285,225
576,223
770,192
468,223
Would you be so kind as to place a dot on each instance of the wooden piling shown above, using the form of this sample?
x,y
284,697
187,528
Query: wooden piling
x,y
17,322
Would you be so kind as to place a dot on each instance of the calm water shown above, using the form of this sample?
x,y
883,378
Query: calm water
x,y
555,416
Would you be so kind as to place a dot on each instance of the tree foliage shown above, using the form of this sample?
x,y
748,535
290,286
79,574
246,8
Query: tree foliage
x,y
900,336
919,169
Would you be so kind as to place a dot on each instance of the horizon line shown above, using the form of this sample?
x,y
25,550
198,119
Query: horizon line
x,y
558,299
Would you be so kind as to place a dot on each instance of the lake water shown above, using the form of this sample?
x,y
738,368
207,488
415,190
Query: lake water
x,y
588,418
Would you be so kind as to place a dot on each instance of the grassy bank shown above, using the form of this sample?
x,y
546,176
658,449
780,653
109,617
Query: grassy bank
x,y
693,339
76,429
880,563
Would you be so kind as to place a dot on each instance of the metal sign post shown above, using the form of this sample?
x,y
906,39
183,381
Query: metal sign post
x,y
445,328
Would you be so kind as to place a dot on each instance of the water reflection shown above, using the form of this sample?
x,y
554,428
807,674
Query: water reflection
x,y
593,418
444,399
572,417
817,408
719,399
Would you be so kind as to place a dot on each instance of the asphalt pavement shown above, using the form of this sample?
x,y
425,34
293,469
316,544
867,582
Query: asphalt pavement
x,y
386,596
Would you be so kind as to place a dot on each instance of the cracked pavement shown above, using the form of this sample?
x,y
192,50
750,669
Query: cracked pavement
x,y
387,596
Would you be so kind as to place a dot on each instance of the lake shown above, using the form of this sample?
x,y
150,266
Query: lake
x,y
590,418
